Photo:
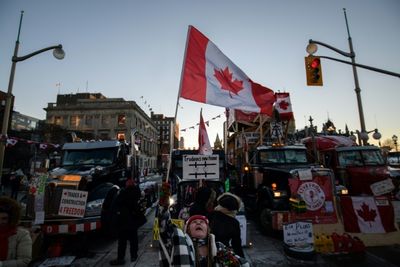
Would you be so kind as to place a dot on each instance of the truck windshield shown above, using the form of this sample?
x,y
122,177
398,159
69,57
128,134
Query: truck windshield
x,y
360,158
89,157
393,158
287,156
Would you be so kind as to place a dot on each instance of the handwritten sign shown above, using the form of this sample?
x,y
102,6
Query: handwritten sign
x,y
298,233
382,187
200,166
73,203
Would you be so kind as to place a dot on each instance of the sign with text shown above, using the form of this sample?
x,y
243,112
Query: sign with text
x,y
382,187
73,203
298,233
200,166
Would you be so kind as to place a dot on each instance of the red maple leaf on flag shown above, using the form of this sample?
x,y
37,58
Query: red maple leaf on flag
x,y
283,105
225,79
367,214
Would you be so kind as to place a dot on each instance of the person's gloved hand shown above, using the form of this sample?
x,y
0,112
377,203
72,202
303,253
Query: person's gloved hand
x,y
165,193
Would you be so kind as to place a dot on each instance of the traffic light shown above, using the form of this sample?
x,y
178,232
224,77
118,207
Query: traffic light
x,y
313,71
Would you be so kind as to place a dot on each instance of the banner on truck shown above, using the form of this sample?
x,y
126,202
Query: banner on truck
x,y
318,195
73,203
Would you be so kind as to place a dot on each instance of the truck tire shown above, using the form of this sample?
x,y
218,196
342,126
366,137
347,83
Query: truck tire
x,y
265,218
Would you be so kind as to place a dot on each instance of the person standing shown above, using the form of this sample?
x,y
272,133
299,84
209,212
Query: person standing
x,y
223,223
204,202
192,246
15,242
15,180
128,213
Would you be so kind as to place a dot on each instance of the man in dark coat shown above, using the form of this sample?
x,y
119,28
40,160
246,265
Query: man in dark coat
x,y
204,203
223,223
128,211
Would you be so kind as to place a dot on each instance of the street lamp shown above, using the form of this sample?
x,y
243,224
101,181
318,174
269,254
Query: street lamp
x,y
58,53
394,138
312,48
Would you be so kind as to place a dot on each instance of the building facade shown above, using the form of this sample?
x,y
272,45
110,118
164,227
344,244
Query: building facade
x,y
167,135
105,119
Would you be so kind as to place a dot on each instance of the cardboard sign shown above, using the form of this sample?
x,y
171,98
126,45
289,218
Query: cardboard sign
x,y
73,203
200,166
298,233
382,187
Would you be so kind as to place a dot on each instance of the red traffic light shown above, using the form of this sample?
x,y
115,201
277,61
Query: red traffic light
x,y
315,63
313,71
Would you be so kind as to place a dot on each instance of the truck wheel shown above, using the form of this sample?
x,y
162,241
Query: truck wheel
x,y
266,221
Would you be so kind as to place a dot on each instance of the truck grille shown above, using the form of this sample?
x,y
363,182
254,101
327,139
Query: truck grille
x,y
51,202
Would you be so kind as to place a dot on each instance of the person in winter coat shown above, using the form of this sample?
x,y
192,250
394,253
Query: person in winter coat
x,y
193,246
128,212
204,202
223,223
15,242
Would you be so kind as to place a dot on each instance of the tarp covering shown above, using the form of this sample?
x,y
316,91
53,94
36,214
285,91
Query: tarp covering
x,y
329,141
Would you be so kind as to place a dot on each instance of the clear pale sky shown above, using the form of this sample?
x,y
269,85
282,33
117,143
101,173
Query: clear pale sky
x,y
132,48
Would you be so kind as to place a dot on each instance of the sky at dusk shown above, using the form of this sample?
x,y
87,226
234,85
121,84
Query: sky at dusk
x,y
132,48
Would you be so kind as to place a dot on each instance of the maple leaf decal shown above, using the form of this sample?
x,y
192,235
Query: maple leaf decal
x,y
225,79
367,214
283,105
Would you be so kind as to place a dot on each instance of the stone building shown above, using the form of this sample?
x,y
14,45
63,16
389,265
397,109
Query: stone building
x,y
164,126
106,118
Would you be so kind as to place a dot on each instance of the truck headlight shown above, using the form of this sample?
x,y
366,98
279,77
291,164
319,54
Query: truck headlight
x,y
171,201
94,207
342,190
278,194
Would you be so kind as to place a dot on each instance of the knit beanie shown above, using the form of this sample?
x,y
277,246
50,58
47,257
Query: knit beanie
x,y
195,217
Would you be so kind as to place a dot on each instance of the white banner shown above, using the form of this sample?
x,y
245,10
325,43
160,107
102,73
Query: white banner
x,y
73,203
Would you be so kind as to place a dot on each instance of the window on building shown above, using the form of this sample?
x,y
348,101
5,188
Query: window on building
x,y
105,120
75,121
121,119
57,120
89,120
121,136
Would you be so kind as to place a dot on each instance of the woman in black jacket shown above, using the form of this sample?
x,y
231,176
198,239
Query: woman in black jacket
x,y
223,223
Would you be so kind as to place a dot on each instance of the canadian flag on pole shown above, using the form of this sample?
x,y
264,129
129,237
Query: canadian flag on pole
x,y
363,215
283,106
210,77
204,142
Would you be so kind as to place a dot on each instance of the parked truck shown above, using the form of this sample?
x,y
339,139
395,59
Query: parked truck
x,y
279,185
360,169
73,197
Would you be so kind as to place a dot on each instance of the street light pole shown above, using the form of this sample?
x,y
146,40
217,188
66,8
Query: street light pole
x,y
357,85
312,48
57,52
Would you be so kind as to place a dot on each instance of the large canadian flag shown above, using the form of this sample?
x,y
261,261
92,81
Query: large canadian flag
x,y
283,106
363,215
211,77
204,142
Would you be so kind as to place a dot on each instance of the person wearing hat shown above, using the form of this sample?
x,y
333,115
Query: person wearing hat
x,y
223,223
15,242
192,246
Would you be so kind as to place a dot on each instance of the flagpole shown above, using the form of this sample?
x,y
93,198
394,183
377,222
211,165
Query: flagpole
x,y
176,107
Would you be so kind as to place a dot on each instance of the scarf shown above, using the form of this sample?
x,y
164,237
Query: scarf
x,y
5,233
